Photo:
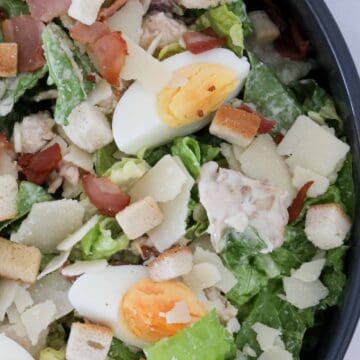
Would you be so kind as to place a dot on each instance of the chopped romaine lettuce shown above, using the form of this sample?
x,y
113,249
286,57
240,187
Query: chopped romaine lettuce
x,y
52,354
28,195
126,172
271,98
239,9
118,351
170,50
14,7
226,24
197,222
206,339
103,241
104,158
68,68
11,89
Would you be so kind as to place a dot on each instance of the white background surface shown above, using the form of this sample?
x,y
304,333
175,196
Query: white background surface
x,y
347,12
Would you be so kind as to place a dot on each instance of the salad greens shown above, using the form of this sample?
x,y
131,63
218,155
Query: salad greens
x,y
206,339
52,354
68,68
104,158
118,351
14,7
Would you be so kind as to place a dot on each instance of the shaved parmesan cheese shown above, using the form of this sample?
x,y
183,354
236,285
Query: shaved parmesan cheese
x,y
79,158
13,315
228,280
81,267
141,66
309,271
179,314
276,354
303,176
265,336
22,299
84,11
55,264
53,287
38,318
163,182
261,161
101,92
74,238
310,146
233,326
173,228
228,153
49,223
8,290
304,294
202,276
128,20
247,350
11,350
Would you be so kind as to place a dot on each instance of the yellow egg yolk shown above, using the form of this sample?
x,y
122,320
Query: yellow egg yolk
x,y
195,91
145,302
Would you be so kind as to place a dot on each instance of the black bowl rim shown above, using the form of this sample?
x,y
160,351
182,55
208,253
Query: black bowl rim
x,y
342,328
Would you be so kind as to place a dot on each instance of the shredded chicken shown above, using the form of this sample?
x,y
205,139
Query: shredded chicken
x,y
171,30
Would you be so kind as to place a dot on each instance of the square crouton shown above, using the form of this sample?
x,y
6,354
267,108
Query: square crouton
x,y
8,195
140,217
327,225
88,341
19,262
8,59
236,126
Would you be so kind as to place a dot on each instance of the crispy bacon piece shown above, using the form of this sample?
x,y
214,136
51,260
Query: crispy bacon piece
x,y
105,13
26,32
46,10
266,125
278,138
85,34
198,42
109,52
298,203
37,167
107,197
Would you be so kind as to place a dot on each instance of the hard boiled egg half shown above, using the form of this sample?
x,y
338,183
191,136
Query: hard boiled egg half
x,y
125,299
198,86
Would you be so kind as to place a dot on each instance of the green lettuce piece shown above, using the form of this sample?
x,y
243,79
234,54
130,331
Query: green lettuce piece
x,y
193,154
103,241
226,24
272,311
205,339
333,276
239,9
68,68
52,354
152,156
126,172
11,89
104,158
28,195
170,50
271,98
118,351
14,7
197,222
317,103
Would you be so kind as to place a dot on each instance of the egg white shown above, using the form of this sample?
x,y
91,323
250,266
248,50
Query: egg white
x,y
136,121
97,297
11,350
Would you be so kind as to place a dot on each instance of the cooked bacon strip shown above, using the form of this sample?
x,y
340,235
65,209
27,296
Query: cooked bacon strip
x,y
46,10
107,197
298,203
105,13
278,138
198,42
109,53
266,125
85,34
37,167
26,32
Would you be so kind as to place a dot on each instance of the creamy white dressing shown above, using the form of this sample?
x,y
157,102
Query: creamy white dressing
x,y
234,200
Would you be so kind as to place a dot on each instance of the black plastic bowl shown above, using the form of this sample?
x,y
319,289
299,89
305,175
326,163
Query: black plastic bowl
x,y
344,83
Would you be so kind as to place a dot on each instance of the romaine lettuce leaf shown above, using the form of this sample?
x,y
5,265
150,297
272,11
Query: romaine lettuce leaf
x,y
239,9
205,339
104,158
14,7
126,172
226,24
103,241
170,50
52,354
197,222
68,68
28,195
118,351
271,98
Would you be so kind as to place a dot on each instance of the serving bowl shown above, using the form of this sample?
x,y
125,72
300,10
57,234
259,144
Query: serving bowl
x,y
343,81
